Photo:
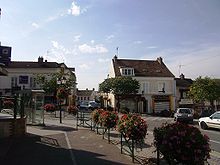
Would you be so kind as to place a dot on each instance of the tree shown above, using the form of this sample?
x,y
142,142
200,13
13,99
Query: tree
x,y
205,89
119,86
49,84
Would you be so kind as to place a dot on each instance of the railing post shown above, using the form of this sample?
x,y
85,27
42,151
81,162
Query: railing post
x,y
15,106
77,120
158,156
132,150
22,107
121,143
108,135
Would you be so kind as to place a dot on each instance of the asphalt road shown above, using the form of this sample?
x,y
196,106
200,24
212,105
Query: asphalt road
x,y
213,134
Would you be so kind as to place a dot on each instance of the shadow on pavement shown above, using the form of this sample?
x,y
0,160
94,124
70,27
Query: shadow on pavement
x,y
35,150
58,128
44,150
86,157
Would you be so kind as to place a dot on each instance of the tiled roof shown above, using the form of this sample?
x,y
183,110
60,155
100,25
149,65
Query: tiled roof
x,y
143,68
84,92
24,64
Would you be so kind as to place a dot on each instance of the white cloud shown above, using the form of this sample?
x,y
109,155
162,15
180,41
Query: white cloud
x,y
110,37
84,48
201,60
137,42
101,60
58,52
74,10
152,47
84,66
92,41
76,38
35,25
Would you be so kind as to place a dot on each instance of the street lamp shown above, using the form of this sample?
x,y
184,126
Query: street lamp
x,y
61,81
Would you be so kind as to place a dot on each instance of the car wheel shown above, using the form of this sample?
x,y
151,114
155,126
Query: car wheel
x,y
203,125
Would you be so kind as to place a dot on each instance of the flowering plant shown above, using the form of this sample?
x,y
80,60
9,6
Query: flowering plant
x,y
62,93
108,119
181,143
95,115
72,109
132,126
49,107
8,104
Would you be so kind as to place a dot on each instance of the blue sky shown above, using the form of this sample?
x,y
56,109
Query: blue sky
x,y
85,34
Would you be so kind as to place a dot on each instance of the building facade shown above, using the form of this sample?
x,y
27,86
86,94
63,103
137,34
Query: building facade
x,y
22,75
157,85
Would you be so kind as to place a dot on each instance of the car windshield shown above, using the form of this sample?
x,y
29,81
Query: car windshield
x,y
216,116
185,111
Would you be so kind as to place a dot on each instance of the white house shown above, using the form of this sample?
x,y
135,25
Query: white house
x,y
157,84
21,75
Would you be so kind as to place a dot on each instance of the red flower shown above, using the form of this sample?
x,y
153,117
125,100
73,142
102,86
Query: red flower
x,y
174,141
132,126
95,115
49,107
72,109
108,119
62,93
8,103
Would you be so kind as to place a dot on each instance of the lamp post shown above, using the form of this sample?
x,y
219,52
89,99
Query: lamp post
x,y
61,81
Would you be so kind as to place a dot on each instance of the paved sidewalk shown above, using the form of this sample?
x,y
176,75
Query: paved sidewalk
x,y
59,144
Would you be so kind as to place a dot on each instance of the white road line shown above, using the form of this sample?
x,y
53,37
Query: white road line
x,y
70,149
215,141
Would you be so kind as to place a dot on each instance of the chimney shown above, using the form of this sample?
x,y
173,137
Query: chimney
x,y
160,60
182,76
115,58
40,60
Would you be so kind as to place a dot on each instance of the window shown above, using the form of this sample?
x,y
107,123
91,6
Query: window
x,y
14,81
161,87
23,79
127,71
145,87
32,82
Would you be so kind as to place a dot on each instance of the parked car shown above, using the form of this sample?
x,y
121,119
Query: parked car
x,y
183,115
212,121
93,105
207,112
90,105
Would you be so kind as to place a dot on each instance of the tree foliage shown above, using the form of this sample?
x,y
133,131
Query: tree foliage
x,y
49,83
205,89
119,86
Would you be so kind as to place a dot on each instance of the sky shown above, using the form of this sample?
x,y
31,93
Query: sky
x,y
85,34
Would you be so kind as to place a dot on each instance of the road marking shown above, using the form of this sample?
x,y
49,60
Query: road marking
x,y
70,149
215,141
215,154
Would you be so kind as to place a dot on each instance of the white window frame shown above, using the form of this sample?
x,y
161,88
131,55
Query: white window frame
x,y
14,81
161,87
127,71
145,87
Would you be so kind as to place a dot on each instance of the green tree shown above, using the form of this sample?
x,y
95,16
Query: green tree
x,y
49,84
205,89
119,86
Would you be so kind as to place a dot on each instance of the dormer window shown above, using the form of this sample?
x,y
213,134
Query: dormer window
x,y
127,71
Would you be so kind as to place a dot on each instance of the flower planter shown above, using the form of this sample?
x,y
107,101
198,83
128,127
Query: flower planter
x,y
181,143
133,129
